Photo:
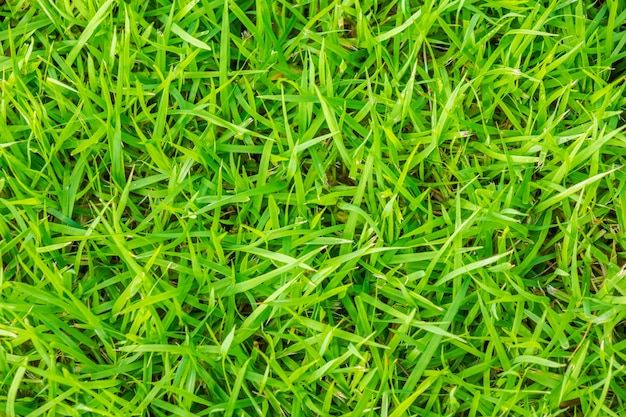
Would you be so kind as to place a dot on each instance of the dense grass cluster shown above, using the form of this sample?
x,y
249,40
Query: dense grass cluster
x,y
312,208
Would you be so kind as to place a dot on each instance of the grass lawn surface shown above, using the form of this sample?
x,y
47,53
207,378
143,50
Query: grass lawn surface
x,y
312,208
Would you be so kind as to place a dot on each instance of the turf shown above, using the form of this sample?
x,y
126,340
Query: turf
x,y
312,208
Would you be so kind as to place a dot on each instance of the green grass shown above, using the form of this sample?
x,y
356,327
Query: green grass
x,y
312,208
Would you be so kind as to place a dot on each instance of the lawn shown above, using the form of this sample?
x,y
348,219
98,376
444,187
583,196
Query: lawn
x,y
313,208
